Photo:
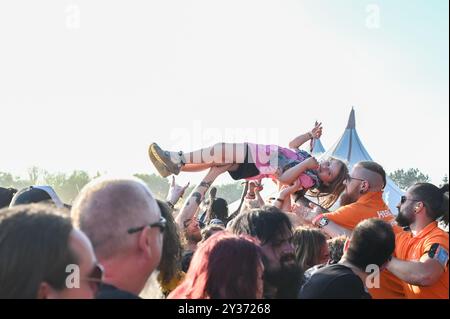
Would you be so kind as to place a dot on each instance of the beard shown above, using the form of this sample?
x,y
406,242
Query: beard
x,y
404,220
194,237
286,278
347,199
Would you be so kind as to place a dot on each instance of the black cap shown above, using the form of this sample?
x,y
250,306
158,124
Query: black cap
x,y
6,195
36,194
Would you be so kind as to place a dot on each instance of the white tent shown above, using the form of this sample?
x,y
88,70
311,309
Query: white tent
x,y
318,148
350,148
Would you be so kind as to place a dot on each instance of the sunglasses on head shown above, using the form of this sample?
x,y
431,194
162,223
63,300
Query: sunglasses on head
x,y
161,224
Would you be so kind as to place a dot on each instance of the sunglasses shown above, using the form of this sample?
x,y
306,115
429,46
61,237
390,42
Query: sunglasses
x,y
349,179
403,199
161,224
95,278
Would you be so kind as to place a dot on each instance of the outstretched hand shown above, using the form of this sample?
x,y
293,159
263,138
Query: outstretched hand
x,y
175,191
305,213
291,189
316,132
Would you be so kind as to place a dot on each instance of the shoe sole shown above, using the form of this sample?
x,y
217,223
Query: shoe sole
x,y
160,167
162,158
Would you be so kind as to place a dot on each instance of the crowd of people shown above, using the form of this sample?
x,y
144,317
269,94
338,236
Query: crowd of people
x,y
116,235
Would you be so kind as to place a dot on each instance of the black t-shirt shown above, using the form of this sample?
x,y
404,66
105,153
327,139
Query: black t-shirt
x,y
111,292
334,282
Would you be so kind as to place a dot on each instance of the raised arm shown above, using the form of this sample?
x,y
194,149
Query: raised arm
x,y
258,190
316,132
175,193
191,206
238,210
283,200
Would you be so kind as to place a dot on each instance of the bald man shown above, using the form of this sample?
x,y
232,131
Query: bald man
x,y
362,199
123,222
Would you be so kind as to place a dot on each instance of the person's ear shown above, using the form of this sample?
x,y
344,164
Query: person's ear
x,y
364,187
418,207
346,244
144,242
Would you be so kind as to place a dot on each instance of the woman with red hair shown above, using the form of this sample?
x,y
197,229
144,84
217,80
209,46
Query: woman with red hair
x,y
225,266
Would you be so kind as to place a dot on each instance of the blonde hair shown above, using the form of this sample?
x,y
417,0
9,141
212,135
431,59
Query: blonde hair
x,y
308,243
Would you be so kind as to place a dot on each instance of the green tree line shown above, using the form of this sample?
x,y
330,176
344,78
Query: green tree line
x,y
68,185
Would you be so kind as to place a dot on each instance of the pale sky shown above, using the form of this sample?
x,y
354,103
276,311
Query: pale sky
x,y
89,84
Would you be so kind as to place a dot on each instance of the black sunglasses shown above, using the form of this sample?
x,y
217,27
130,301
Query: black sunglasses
x,y
161,224
95,278
403,199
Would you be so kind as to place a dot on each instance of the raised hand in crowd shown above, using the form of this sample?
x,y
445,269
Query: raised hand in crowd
x,y
175,193
191,206
283,200
316,132
306,214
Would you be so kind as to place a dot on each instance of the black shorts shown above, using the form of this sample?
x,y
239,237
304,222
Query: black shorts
x,y
247,169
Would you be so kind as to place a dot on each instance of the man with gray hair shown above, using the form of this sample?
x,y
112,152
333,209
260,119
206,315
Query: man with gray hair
x,y
123,221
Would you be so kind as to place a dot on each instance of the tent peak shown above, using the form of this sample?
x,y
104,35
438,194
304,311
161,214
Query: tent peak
x,y
351,120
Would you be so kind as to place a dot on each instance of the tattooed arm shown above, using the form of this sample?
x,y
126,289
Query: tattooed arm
x,y
190,207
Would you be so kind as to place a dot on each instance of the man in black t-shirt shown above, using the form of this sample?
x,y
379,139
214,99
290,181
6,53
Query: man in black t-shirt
x,y
370,247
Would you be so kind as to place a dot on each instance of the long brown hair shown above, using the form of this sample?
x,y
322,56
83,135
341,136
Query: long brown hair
x,y
170,264
308,243
328,194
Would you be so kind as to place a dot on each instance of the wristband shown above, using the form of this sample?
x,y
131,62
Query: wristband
x,y
320,221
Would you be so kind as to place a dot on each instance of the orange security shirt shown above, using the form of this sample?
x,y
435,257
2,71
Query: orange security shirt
x,y
412,248
391,287
369,205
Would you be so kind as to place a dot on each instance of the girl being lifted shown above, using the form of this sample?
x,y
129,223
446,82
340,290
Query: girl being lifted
x,y
257,161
